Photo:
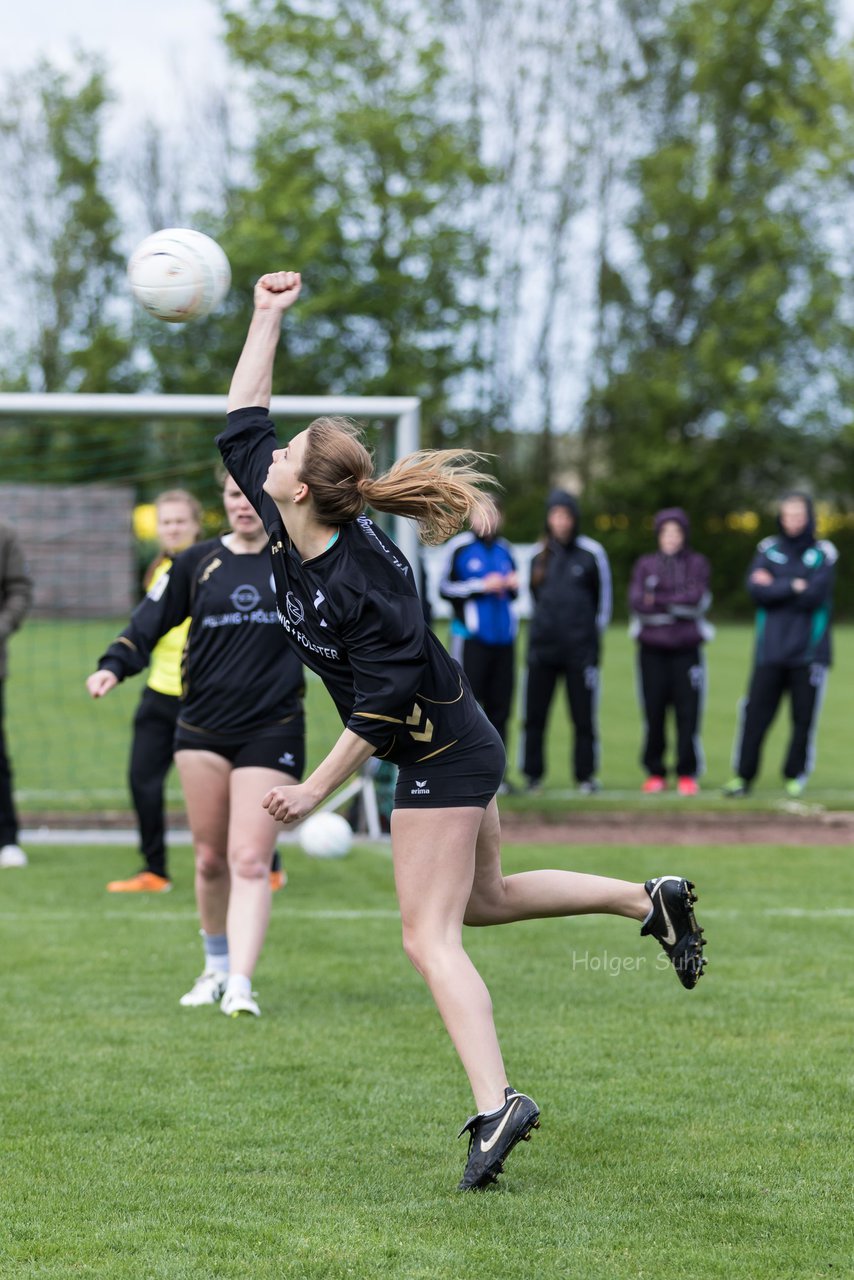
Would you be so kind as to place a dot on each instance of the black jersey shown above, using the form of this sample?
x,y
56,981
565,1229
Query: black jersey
x,y
237,672
354,616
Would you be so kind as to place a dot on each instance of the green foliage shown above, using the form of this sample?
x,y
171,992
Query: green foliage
x,y
433,199
61,234
359,174
724,378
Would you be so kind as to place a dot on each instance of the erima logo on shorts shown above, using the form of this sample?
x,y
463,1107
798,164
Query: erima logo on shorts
x,y
420,788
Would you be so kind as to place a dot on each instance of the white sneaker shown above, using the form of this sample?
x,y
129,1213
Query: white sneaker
x,y
12,855
233,1004
207,989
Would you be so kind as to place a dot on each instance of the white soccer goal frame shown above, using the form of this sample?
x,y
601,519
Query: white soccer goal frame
x,y
404,410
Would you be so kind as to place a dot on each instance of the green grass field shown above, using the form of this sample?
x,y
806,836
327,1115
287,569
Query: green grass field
x,y
703,1134
70,753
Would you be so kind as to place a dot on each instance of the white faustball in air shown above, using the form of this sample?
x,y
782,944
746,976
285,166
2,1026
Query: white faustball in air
x,y
178,274
326,835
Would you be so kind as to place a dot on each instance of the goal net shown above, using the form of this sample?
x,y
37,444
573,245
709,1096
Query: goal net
x,y
78,475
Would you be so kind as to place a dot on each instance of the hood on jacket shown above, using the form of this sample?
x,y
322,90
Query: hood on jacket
x,y
678,516
807,537
563,498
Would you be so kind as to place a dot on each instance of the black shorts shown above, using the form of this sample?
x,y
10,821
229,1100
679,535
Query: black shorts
x,y
467,775
278,746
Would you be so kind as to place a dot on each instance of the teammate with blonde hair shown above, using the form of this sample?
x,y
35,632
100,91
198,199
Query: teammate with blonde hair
x,y
179,525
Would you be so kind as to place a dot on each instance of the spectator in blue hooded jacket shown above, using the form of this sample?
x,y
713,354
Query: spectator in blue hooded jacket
x,y
791,580
480,581
668,597
571,589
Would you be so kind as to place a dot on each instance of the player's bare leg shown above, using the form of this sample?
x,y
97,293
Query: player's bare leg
x,y
205,782
251,842
665,905
433,854
532,895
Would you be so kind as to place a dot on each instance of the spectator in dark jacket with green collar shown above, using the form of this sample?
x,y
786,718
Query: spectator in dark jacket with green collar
x,y
791,580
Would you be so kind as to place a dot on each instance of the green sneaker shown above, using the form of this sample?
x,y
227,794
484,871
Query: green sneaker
x,y
734,788
795,788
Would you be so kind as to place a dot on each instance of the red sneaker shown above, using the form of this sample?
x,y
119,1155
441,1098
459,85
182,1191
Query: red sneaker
x,y
688,787
653,785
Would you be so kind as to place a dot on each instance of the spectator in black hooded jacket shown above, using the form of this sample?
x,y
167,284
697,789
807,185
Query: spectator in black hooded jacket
x,y
571,589
791,580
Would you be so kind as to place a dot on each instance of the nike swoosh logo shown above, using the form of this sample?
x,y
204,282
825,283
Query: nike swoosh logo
x,y
487,1146
670,932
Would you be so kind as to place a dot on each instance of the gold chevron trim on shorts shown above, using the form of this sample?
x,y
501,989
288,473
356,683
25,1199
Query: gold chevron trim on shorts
x,y
372,715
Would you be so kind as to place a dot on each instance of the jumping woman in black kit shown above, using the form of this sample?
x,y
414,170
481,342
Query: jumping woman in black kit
x,y
347,600
240,731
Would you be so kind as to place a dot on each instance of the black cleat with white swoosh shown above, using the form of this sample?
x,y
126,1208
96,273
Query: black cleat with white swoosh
x,y
493,1137
672,923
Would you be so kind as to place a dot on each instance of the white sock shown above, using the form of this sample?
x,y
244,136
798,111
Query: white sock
x,y
239,985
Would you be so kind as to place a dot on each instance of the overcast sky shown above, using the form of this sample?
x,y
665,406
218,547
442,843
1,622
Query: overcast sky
x,y
148,44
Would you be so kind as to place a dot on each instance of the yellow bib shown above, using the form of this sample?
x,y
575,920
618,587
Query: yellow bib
x,y
165,667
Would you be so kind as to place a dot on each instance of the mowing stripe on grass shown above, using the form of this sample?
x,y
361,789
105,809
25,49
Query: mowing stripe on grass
x,y
380,913
144,916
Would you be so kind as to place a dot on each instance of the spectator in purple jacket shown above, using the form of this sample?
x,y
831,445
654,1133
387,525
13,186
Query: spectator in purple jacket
x,y
668,597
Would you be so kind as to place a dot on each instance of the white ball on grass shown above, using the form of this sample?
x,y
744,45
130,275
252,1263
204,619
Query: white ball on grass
x,y
326,835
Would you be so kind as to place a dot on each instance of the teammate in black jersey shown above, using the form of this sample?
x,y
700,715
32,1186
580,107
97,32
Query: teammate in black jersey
x,y
347,600
240,731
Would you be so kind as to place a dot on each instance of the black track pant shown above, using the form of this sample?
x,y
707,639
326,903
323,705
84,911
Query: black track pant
x,y
490,671
582,690
150,761
671,678
8,816
768,683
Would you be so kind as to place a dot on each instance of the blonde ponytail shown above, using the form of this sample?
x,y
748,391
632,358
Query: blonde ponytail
x,y
440,489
